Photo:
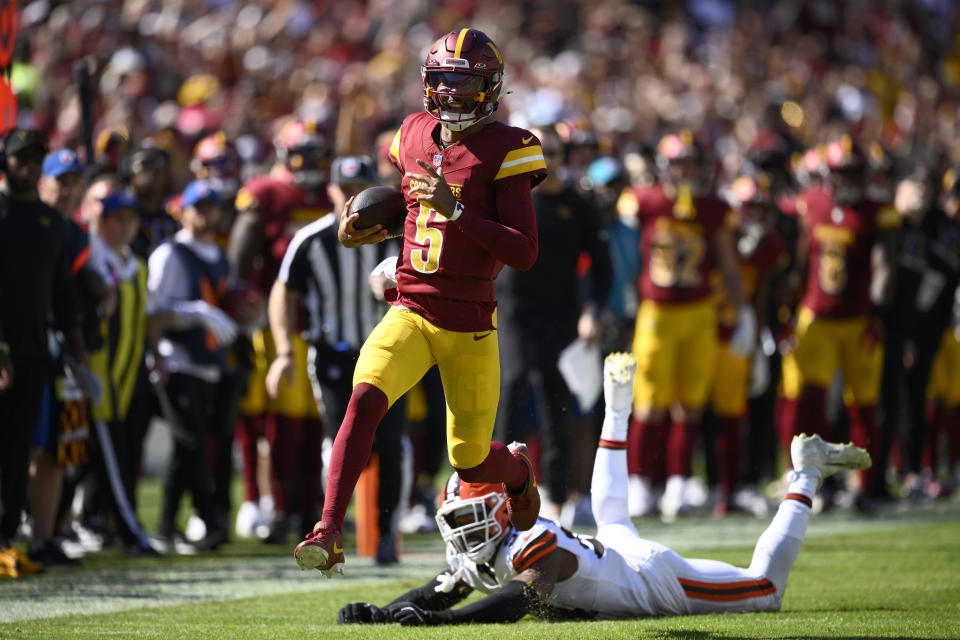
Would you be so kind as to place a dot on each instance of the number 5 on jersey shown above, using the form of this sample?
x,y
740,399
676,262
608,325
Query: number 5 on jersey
x,y
427,259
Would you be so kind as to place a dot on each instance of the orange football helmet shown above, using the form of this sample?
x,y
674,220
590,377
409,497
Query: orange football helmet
x,y
473,517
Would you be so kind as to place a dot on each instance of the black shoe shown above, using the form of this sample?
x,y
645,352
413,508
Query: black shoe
x,y
50,554
140,550
386,551
212,540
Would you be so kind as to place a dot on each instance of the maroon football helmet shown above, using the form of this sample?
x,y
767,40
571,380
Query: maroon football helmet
x,y
462,78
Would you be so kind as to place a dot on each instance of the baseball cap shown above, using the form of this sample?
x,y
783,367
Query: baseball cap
x,y
353,170
60,162
19,139
116,201
198,191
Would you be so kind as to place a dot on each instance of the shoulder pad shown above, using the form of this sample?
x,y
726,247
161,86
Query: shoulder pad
x,y
530,546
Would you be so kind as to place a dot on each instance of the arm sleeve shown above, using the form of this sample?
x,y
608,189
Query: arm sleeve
x,y
513,240
430,599
294,269
509,604
165,273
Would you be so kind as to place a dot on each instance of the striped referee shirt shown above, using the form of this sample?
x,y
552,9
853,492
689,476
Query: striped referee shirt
x,y
333,280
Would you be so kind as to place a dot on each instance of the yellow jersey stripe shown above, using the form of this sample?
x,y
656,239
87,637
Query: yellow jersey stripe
x,y
463,34
525,152
521,165
395,147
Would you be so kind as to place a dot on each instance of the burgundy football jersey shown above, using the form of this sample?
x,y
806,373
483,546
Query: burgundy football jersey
x,y
442,272
755,257
841,239
284,208
676,243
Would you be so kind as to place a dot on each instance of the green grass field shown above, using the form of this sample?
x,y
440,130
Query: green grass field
x,y
896,575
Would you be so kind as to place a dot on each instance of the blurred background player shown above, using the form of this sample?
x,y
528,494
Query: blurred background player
x,y
271,208
35,286
329,282
686,233
123,335
187,285
541,311
844,264
63,425
938,302
147,171
761,255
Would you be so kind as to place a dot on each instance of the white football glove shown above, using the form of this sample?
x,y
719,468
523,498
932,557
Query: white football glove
x,y
211,318
745,334
388,268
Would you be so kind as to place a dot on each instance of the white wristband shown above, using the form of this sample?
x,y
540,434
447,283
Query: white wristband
x,y
457,211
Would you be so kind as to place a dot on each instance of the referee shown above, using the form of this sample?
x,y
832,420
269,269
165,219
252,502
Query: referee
x,y
34,281
332,283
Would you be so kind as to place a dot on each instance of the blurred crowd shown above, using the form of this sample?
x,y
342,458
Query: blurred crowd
x,y
217,125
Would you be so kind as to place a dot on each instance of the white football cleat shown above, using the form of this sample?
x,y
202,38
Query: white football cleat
x,y
618,370
816,455
248,516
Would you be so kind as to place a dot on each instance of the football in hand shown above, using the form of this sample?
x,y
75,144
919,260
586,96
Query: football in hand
x,y
379,205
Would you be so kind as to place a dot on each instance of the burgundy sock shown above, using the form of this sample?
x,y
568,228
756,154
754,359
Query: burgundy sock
x,y
727,447
500,465
951,419
246,432
287,436
647,447
811,415
865,433
351,449
785,415
683,435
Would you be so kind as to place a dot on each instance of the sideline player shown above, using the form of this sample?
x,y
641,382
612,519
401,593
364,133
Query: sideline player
x,y
552,572
686,233
467,183
844,257
761,254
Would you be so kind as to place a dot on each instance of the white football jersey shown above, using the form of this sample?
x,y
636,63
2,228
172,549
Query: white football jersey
x,y
605,582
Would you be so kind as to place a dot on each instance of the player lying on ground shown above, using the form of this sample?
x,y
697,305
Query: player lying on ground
x,y
551,572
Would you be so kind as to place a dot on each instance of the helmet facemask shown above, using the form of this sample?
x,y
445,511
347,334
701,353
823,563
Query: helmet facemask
x,y
462,78
474,526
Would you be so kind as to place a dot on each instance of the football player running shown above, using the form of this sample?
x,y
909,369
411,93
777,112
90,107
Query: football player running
x,y
552,572
467,182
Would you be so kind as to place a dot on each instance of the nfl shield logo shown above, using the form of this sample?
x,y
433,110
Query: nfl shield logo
x,y
437,159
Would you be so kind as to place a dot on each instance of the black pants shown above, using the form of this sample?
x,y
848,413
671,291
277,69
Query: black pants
x,y
19,409
193,402
331,374
528,364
